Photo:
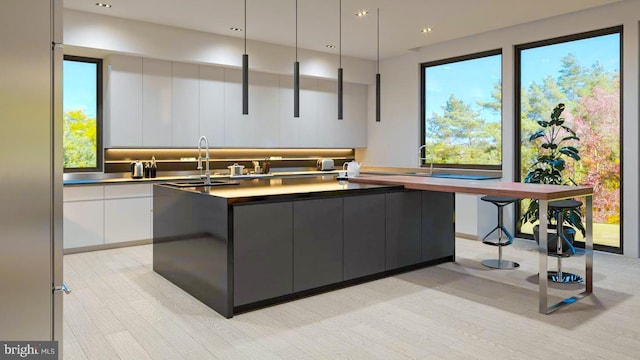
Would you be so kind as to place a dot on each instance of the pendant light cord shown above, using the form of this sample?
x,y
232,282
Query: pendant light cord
x,y
245,26
296,30
378,56
340,33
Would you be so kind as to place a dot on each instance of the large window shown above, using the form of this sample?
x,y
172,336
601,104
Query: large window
x,y
583,72
462,111
82,107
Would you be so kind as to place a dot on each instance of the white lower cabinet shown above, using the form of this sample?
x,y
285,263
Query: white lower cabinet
x,y
103,215
127,220
83,223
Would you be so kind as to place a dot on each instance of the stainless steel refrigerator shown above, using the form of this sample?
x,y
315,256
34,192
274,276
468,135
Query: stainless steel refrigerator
x,y
30,170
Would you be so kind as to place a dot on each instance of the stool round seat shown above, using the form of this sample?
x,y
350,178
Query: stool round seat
x,y
500,202
565,204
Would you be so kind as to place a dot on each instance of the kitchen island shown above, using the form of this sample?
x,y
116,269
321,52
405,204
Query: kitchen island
x,y
264,241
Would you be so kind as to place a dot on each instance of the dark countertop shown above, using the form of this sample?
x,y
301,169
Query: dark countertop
x,y
77,179
115,179
284,188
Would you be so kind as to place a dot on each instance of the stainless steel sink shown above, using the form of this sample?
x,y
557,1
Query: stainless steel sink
x,y
184,184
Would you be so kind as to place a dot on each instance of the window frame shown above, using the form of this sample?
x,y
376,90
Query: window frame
x,y
517,49
99,113
423,67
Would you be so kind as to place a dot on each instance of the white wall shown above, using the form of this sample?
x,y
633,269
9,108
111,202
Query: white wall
x,y
117,35
395,140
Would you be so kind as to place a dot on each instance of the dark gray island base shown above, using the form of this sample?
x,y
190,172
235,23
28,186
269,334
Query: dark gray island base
x,y
266,241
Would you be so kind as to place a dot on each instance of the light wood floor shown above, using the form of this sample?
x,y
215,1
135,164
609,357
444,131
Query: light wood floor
x,y
120,308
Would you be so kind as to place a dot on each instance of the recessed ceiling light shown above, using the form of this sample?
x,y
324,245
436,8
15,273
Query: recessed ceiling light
x,y
362,13
235,29
330,46
426,30
104,5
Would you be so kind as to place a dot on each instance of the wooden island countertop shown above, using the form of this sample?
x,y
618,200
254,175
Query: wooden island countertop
x,y
486,187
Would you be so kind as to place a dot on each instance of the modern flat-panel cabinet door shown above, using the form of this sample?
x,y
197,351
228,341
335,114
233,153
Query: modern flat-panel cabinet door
x,y
127,212
317,243
289,125
438,225
352,131
262,251
156,102
185,119
364,235
403,229
260,127
309,124
212,105
123,101
83,221
327,117
301,131
127,220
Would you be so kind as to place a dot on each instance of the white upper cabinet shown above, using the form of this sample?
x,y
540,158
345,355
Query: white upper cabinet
x,y
302,131
185,119
156,103
328,123
289,126
353,131
211,95
123,100
260,127
309,124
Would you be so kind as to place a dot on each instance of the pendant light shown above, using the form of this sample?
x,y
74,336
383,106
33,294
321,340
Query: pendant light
x,y
245,68
340,64
296,75
378,71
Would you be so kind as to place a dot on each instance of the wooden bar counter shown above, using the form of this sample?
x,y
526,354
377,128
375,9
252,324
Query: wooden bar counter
x,y
542,192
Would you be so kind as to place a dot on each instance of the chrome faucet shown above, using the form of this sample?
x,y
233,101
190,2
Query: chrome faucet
x,y
207,174
425,158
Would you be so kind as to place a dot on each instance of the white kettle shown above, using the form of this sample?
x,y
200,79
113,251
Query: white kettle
x,y
353,169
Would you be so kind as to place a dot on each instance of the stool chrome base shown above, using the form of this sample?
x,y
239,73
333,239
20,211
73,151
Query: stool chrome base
x,y
500,264
567,278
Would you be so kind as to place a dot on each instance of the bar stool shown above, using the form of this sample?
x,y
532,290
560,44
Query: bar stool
x,y
500,202
564,248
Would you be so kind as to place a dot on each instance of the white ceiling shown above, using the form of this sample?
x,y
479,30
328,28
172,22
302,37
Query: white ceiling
x,y
273,21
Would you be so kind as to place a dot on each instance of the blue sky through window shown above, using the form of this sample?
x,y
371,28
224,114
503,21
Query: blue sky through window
x,y
469,80
472,80
545,60
79,87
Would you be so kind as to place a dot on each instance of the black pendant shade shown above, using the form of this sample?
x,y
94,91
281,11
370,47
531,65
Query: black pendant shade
x,y
245,84
340,97
296,89
296,75
378,97
245,68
